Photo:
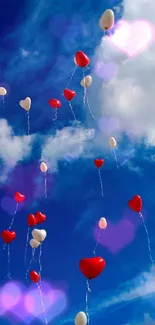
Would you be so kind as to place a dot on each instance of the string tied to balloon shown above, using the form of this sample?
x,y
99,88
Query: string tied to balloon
x,y
44,168
8,237
102,226
55,103
69,95
32,259
136,204
87,294
113,145
35,277
99,163
26,104
85,83
31,221
18,198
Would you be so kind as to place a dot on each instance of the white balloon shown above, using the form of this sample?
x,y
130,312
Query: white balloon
x,y
25,103
3,91
112,142
39,234
34,243
81,318
107,20
86,81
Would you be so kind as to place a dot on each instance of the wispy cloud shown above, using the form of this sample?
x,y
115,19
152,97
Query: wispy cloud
x,y
67,144
12,148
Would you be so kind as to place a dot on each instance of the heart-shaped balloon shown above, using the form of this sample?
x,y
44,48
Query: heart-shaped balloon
x,y
34,276
26,103
39,234
99,163
81,59
55,103
31,220
8,236
34,243
19,197
40,217
135,203
69,94
92,267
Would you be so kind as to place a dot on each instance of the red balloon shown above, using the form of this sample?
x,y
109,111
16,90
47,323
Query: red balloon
x,y
135,203
40,217
31,220
34,276
92,267
69,94
8,236
19,197
99,163
81,59
55,103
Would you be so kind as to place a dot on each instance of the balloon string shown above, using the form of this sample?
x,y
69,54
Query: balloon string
x,y
28,122
40,265
85,91
9,259
101,182
97,241
87,293
90,108
42,302
148,239
27,238
13,218
55,115
115,156
45,187
26,275
70,105
71,76
3,102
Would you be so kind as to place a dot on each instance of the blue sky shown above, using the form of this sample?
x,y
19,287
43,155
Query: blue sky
x,y
37,47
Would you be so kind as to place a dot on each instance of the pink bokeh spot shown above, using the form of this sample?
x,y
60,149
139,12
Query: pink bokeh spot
x,y
132,37
10,295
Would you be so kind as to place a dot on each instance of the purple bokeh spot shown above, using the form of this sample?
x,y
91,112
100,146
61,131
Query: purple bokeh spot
x,y
106,71
9,205
108,125
115,237
25,304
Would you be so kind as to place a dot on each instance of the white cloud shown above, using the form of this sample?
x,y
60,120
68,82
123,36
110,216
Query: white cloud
x,y
130,95
141,287
67,144
12,148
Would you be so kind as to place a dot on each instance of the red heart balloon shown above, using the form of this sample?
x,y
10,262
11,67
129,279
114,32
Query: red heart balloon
x,y
92,267
8,236
99,163
34,276
40,217
81,59
69,94
55,103
19,197
31,220
135,203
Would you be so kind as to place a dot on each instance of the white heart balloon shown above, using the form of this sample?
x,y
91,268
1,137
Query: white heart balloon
x,y
3,91
39,234
86,81
25,103
81,318
34,243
